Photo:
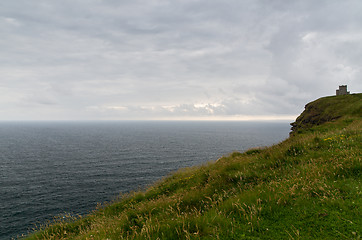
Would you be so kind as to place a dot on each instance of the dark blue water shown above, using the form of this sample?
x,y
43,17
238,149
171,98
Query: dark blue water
x,y
52,168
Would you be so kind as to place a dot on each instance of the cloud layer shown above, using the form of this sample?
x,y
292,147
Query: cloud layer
x,y
180,59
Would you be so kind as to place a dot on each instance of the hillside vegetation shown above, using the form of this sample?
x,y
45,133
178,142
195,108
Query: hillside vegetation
x,y
306,187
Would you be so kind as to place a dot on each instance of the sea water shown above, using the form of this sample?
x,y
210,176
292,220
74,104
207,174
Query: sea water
x,y
52,168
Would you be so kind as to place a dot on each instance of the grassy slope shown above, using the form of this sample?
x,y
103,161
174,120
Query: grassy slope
x,y
307,187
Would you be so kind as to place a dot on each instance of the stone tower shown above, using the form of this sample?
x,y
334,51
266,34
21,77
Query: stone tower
x,y
342,90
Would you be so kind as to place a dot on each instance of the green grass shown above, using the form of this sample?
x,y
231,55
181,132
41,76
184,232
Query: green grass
x,y
306,187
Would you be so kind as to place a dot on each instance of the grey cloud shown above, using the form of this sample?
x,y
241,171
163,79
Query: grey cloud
x,y
202,58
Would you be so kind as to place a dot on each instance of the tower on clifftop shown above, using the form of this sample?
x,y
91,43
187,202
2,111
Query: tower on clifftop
x,y
342,90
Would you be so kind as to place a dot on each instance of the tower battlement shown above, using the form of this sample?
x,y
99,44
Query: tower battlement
x,y
342,90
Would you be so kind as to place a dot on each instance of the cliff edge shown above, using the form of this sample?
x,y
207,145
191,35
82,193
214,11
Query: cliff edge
x,y
328,109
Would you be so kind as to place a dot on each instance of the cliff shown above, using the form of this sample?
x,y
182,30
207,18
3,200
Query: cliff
x,y
328,109
306,187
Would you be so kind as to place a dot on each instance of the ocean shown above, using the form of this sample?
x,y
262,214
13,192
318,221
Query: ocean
x,y
53,168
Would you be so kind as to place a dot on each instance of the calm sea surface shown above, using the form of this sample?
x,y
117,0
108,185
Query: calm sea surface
x,y
52,168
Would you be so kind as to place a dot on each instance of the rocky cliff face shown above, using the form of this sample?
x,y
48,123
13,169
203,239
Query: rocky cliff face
x,y
311,116
327,109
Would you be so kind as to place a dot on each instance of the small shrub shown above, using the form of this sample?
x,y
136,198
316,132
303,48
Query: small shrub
x,y
253,151
295,151
236,154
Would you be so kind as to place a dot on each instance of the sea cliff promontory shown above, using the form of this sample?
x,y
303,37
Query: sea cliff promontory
x,y
306,187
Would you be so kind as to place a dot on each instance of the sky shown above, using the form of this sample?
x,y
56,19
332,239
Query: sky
x,y
175,59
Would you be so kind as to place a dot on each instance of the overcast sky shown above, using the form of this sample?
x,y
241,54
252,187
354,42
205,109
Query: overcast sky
x,y
175,59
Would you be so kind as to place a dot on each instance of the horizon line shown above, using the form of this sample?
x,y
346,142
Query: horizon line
x,y
206,119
